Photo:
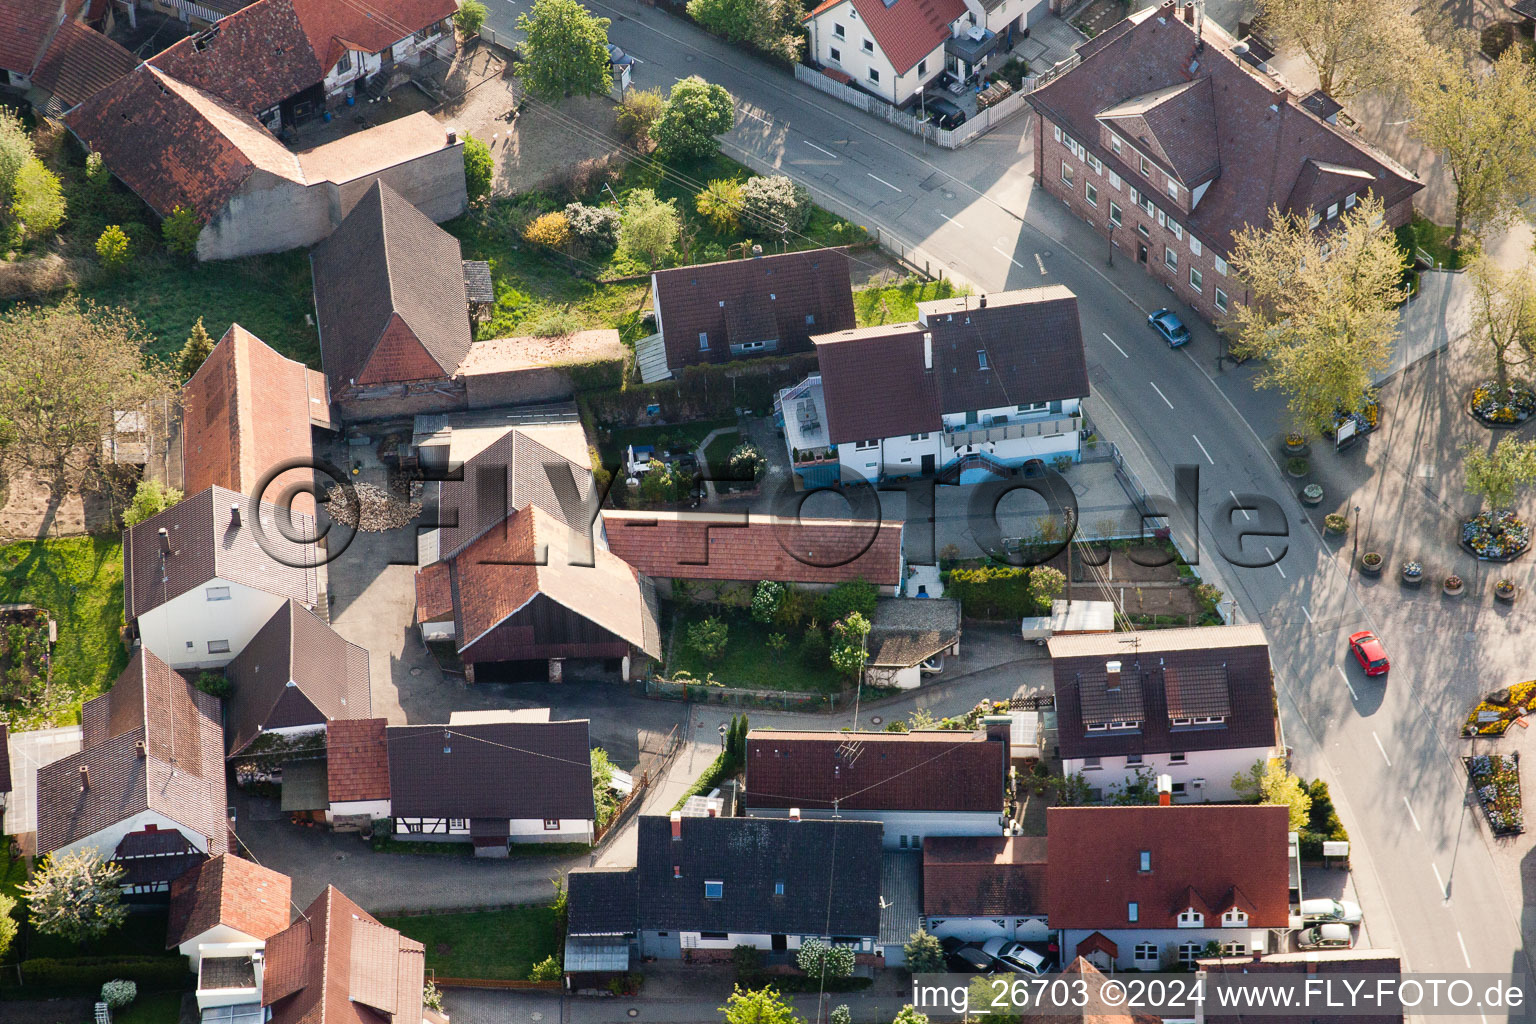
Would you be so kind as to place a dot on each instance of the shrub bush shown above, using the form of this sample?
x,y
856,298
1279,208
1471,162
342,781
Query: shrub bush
x,y
845,598
774,203
547,969
709,638
594,229
118,993
113,248
180,231
766,599
86,975
813,647
992,591
479,168
469,17
214,684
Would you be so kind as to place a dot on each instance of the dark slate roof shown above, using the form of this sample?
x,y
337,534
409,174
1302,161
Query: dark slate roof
x,y
1325,106
876,383
491,770
830,870
205,545
253,59
906,631
1174,673
983,876
1175,126
876,771
180,775
601,901
389,294
1525,8
295,671
1262,135
477,281
508,475
759,299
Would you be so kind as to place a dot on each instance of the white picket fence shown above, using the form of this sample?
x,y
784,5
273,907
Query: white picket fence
x,y
944,138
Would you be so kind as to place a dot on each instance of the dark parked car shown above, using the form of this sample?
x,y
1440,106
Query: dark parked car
x,y
942,113
1168,325
970,960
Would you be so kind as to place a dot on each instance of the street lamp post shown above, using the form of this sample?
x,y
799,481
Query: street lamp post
x,y
1111,260
1356,550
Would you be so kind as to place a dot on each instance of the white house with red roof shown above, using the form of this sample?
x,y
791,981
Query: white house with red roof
x,y
894,48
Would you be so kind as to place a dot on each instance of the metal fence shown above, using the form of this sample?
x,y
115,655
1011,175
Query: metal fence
x,y
651,769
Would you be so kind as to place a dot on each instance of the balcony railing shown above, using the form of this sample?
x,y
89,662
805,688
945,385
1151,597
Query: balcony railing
x,y
982,433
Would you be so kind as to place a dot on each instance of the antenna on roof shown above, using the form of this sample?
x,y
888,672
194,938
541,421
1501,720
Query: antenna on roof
x,y
848,752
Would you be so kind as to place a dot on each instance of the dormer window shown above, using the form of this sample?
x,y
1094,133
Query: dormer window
x,y
1191,918
1349,201
1314,220
981,359
1234,918
1133,912
1114,142
1333,211
714,890
1173,188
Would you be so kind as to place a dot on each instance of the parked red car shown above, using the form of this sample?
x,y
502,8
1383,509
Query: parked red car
x,y
1369,653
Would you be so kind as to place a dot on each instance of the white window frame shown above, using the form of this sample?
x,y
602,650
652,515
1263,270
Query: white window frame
x,y
1146,953
838,32
1176,228
873,74
1066,175
1092,764
218,593
1091,193
1194,244
1350,201
867,45
1173,189
1133,911
1170,257
868,445
1197,280
1094,162
1234,918
218,646
1146,168
1221,300
1234,949
716,886
703,341
1189,952
1114,181
1114,142
1191,918
1220,264
551,824
1116,215
834,55
1056,131
1333,210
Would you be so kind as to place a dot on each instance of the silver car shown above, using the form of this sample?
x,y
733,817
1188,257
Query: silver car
x,y
1319,911
1014,956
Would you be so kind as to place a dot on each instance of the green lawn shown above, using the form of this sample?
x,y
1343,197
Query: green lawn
x,y
718,454
672,435
748,661
897,303
498,944
79,580
1432,238
159,1008
143,934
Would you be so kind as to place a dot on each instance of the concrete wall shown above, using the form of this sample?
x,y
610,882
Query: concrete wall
x,y
517,387
1216,767
193,618
219,933
913,825
398,401
1030,928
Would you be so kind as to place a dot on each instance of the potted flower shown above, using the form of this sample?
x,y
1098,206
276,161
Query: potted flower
x,y
1454,585
1335,523
1505,590
1312,494
1295,444
1297,467
1370,563
1413,573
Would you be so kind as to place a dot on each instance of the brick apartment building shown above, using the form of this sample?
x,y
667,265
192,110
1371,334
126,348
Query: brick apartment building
x,y
1168,140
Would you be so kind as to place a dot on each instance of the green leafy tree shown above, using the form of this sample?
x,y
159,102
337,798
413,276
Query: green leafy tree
x,y
848,648
840,1015
758,1006
984,1004
769,25
547,969
822,960
648,227
602,787
76,896
1269,783
1045,585
851,596
150,498
1483,126
214,684
709,638
1323,308
1353,45
594,229
696,112
719,202
1504,318
766,597
8,925
638,114
180,231
198,347
15,151
112,248
469,17
775,203
924,954
551,230
479,168
1495,475
565,52
96,170
38,199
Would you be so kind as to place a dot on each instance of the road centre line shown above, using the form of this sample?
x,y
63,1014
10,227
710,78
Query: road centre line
x,y
1413,817
951,220
882,181
1236,502
1203,451
1274,562
1161,395
819,149
1381,748
1008,257
1110,340
1445,895
1345,676
1464,952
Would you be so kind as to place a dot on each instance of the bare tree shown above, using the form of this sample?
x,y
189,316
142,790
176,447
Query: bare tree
x,y
1354,46
1504,317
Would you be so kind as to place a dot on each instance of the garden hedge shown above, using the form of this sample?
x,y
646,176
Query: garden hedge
x,y
992,592
722,767
87,974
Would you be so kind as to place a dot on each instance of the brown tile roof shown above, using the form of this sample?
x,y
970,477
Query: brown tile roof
x,y
337,964
1173,673
205,545
295,671
1262,136
357,760
246,410
905,30
723,546
499,770
252,59
389,295
1175,126
916,771
1322,963
175,145
500,573
79,63
1215,849
1083,967
766,299
334,27
876,383
181,774
230,891
983,876
25,28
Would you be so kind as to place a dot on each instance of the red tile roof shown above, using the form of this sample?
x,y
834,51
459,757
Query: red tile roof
x,y
357,766
1262,138
334,27
876,771
230,891
79,63
907,30
336,964
983,876
245,410
720,546
1229,854
25,28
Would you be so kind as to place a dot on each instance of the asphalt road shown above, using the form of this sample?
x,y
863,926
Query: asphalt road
x,y
1420,859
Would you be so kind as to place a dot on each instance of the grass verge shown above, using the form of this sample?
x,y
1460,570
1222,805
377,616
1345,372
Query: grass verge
x,y
748,660
897,303
500,945
1433,238
159,1008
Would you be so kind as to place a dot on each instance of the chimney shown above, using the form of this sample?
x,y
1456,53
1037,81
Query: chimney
x,y
85,778
453,136
677,826
234,517
1112,675
794,812
983,303
165,541
927,352
1164,790
710,810
1189,13
138,750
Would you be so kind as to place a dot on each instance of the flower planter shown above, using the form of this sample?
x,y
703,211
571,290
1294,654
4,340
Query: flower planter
x,y
1312,494
1453,586
1496,781
1506,591
1335,525
1413,573
1296,468
1296,445
1371,563
1495,412
1495,536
